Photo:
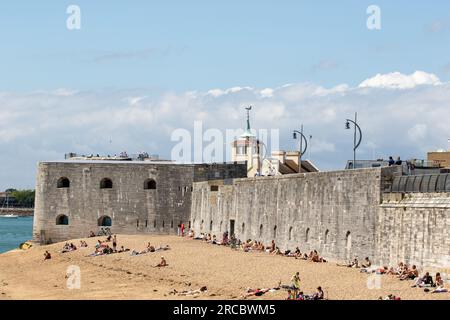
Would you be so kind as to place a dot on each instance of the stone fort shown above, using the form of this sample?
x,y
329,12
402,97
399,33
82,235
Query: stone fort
x,y
375,212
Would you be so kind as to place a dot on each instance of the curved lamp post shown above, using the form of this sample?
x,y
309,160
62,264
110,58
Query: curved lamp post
x,y
302,150
355,144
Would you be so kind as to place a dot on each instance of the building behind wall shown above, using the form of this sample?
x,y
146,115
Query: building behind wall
x,y
74,198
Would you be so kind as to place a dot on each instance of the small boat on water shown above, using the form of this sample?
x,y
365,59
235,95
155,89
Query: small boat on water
x,y
10,216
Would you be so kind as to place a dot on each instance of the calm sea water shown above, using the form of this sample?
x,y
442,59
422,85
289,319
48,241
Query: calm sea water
x,y
14,231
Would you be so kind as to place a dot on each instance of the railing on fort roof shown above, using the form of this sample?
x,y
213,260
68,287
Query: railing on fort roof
x,y
426,183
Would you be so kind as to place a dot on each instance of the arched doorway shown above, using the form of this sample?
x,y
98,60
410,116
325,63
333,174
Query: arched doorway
x,y
104,221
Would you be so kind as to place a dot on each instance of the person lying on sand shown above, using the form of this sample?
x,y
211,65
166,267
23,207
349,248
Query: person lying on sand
x,y
47,255
162,248
91,234
163,263
149,248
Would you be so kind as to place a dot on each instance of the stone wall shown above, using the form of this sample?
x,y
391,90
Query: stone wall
x,y
132,208
414,228
342,214
333,212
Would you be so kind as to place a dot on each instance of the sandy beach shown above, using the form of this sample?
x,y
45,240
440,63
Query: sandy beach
x,y
192,264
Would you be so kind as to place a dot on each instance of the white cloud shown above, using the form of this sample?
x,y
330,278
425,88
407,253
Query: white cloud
x,y
397,80
44,125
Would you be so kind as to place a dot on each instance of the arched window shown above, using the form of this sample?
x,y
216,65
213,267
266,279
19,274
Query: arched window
x,y
307,235
201,226
290,233
63,183
210,225
62,219
221,223
325,240
154,223
274,235
163,225
243,227
260,230
106,183
150,184
171,224
104,221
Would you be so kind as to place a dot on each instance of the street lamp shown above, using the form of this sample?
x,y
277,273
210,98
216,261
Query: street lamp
x,y
302,150
355,144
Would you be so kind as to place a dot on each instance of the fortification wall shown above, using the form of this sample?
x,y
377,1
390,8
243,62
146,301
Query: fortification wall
x,y
414,228
333,212
132,208
341,214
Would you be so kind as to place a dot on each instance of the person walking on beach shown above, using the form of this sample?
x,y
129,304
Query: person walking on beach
x,y
295,280
115,243
182,229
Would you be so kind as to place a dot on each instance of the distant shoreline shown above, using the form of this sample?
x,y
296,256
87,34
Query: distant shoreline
x,y
21,212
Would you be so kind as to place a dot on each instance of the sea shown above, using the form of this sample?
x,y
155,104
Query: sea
x,y
14,231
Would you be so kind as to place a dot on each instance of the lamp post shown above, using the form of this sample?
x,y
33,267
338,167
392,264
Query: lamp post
x,y
302,150
355,144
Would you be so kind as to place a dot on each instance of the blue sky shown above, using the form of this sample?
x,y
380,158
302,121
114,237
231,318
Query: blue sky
x,y
138,70
197,45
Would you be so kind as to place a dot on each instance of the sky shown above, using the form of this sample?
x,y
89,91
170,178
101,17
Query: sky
x,y
137,70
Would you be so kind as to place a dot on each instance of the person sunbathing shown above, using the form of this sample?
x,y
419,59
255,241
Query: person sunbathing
x,y
47,255
391,271
163,263
410,274
319,295
162,248
440,288
149,248
425,281
66,248
367,263
297,253
272,247
92,234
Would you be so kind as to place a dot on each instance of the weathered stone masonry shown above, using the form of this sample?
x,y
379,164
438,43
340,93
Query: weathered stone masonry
x,y
341,214
144,197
